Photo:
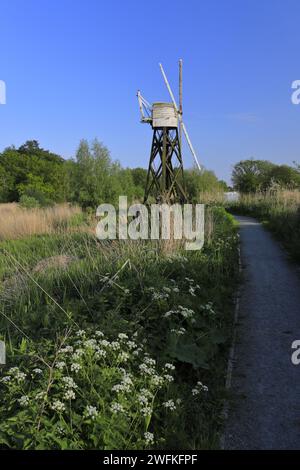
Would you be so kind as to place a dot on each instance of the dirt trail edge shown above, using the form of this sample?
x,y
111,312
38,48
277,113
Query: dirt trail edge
x,y
264,412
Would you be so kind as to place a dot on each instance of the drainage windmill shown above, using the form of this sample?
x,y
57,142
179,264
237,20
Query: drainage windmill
x,y
165,172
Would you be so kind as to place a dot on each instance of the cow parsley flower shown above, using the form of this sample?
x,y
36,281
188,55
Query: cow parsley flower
x,y
69,382
146,411
60,365
69,394
123,357
90,344
170,405
169,366
66,350
58,405
117,408
91,412
199,388
115,346
149,437
169,378
5,379
122,336
100,353
157,380
24,400
99,333
80,333
75,367
145,369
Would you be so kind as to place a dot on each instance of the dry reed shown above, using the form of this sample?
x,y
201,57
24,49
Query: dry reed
x,y
17,222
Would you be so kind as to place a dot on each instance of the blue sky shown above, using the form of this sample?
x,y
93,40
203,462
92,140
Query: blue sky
x,y
72,69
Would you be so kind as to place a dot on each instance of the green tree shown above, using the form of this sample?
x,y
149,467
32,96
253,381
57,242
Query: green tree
x,y
251,175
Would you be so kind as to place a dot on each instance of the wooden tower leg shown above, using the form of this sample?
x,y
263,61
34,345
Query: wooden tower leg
x,y
165,180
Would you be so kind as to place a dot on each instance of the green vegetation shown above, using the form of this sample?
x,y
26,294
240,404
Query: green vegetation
x,y
279,211
37,178
122,344
250,176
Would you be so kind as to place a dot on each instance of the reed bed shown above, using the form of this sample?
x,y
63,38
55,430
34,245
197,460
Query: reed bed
x,y
17,222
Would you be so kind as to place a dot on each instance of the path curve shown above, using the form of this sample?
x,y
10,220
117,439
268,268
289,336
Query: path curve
x,y
265,410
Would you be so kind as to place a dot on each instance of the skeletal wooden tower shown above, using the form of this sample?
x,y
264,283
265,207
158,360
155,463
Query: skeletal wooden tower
x,y
165,173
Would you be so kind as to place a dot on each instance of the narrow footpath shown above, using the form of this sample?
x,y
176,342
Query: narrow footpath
x,y
264,411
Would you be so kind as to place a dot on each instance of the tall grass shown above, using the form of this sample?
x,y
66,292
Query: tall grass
x,y
179,305
17,222
279,210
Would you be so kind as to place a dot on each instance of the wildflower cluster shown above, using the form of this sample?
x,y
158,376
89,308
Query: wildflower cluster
x,y
93,380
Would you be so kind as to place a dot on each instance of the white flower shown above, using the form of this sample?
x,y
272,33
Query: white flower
x,y
99,333
15,372
149,437
20,376
75,367
175,289
170,405
169,366
157,380
202,387
122,336
40,395
69,382
144,368
169,378
123,357
58,405
80,333
115,346
117,408
137,352
186,312
146,411
167,289
66,349
69,394
179,331
199,388
160,295
144,396
131,344
149,361
24,400
90,344
6,379
37,371
104,343
100,353
192,291
60,365
91,412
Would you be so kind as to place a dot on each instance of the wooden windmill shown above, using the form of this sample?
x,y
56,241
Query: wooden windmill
x,y
165,172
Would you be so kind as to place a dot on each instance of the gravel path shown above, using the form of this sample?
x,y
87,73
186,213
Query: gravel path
x,y
265,410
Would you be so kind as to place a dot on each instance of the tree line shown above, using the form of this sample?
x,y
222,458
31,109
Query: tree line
x,y
35,177
250,176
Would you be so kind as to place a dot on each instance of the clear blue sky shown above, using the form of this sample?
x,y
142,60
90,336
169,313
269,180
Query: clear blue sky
x,y
72,68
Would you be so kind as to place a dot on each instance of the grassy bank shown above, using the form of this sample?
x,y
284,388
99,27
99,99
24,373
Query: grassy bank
x,y
279,211
115,345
